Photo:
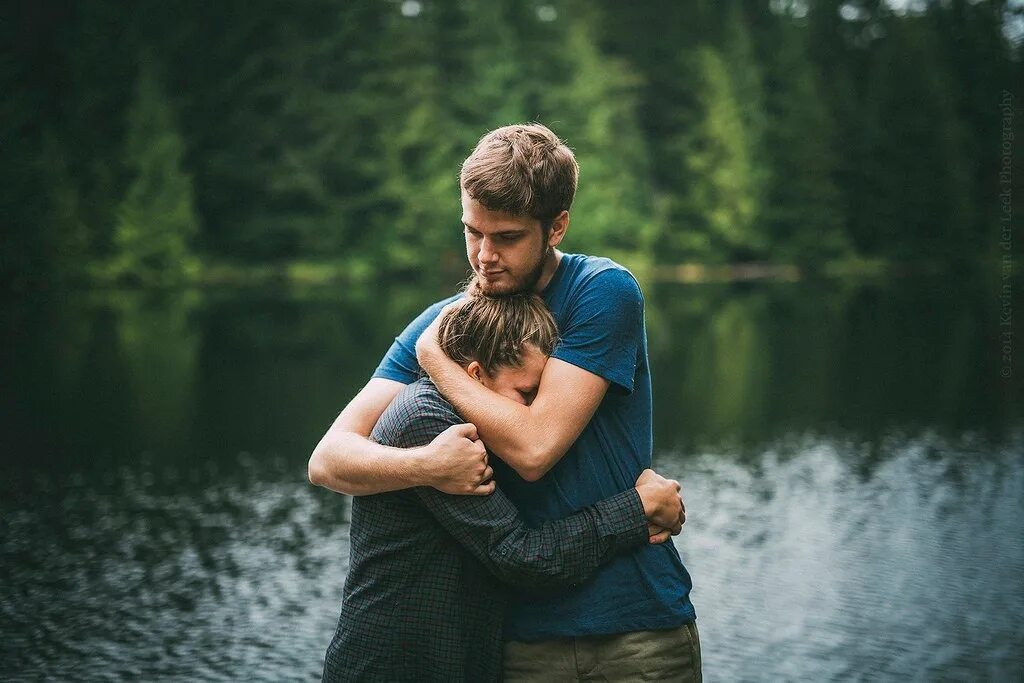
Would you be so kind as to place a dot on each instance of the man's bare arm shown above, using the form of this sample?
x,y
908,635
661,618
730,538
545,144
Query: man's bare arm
x,y
531,439
346,461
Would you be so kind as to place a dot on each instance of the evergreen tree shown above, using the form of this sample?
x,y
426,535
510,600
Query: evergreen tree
x,y
917,172
713,213
747,71
981,66
802,213
421,147
156,218
334,131
595,110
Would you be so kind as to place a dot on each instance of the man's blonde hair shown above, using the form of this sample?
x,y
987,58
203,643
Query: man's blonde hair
x,y
523,170
493,330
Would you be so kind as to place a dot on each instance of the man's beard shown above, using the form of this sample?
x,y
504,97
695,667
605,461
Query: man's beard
x,y
525,283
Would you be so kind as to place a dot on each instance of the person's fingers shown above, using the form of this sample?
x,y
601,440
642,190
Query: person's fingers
x,y
659,537
466,430
487,475
484,489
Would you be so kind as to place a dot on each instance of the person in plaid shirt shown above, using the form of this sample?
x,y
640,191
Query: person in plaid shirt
x,y
424,599
586,434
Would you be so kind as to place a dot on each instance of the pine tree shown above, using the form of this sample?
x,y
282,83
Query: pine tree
x,y
421,144
917,172
156,218
802,214
713,213
595,111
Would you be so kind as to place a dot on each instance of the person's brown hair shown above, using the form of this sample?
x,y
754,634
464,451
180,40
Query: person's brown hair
x,y
493,330
523,170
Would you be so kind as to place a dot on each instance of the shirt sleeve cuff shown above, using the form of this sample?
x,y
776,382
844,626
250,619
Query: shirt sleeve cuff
x,y
621,519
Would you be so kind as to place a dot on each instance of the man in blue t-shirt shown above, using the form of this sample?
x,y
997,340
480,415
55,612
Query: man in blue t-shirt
x,y
585,435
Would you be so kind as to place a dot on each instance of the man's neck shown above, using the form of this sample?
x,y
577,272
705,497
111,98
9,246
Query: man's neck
x,y
551,262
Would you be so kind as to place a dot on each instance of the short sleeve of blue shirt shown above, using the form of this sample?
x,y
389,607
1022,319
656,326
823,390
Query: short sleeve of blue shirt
x,y
605,327
399,363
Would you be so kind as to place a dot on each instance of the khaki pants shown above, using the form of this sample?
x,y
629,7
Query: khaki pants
x,y
670,655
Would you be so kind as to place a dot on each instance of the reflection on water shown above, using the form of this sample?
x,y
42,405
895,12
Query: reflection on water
x,y
809,569
853,466
191,575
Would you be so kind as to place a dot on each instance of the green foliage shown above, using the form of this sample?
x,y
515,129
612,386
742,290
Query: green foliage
x,y
596,108
156,218
712,213
330,135
802,215
917,168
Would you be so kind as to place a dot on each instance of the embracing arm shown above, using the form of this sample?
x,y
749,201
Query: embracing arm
x,y
346,461
565,551
560,552
601,344
531,439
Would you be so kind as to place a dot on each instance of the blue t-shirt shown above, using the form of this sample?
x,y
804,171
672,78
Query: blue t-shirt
x,y
600,314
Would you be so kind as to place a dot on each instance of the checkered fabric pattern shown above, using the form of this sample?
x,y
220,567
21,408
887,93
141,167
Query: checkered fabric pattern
x,y
423,599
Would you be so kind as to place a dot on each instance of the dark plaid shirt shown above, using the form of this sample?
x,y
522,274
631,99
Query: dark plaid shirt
x,y
423,600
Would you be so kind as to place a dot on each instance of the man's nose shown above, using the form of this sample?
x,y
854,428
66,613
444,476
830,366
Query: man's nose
x,y
487,254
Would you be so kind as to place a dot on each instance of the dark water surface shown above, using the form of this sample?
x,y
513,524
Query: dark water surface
x,y
852,460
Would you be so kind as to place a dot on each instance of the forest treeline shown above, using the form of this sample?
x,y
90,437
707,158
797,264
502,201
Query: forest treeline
x,y
152,142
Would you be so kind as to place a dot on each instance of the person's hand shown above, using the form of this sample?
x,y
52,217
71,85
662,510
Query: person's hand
x,y
663,505
657,535
457,462
427,346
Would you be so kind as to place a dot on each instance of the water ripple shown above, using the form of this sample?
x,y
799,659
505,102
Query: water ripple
x,y
813,560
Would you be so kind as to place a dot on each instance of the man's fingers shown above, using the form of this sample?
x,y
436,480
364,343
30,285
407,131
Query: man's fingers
x,y
659,537
487,475
484,489
466,430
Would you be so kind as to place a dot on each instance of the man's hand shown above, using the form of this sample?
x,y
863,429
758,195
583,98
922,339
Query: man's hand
x,y
427,346
458,462
663,505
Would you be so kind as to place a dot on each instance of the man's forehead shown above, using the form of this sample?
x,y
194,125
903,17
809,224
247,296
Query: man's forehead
x,y
477,216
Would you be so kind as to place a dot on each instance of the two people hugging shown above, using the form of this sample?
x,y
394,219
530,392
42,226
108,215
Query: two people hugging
x,y
542,555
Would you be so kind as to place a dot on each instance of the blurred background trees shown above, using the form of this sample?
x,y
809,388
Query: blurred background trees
x,y
157,143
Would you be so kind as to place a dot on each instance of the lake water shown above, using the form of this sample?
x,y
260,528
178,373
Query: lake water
x,y
851,457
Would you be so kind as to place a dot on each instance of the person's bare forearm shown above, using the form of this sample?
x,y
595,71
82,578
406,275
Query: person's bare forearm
x,y
511,430
346,462
531,439
507,427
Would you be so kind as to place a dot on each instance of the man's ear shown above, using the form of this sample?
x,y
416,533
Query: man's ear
x,y
475,370
558,228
